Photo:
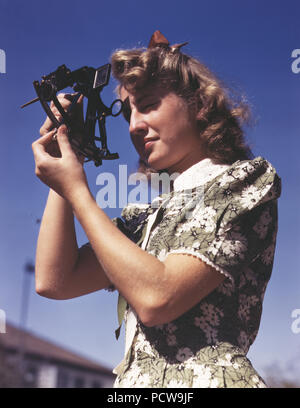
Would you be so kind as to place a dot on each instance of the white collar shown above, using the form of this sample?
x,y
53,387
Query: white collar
x,y
198,174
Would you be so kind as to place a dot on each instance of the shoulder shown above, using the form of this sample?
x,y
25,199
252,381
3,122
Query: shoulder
x,y
251,182
255,171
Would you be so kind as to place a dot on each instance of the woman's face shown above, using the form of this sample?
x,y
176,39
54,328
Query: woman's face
x,y
162,130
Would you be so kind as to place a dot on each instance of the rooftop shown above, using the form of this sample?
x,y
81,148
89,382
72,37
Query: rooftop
x,y
39,347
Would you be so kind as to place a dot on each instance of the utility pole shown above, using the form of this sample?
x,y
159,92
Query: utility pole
x,y
29,269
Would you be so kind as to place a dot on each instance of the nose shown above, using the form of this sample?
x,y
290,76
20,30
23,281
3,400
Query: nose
x,y
138,126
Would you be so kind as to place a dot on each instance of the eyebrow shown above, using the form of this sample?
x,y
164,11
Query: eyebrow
x,y
147,95
138,100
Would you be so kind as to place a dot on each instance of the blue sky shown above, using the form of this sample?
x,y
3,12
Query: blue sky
x,y
247,44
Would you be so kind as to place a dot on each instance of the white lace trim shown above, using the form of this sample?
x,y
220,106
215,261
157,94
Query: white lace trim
x,y
198,174
202,258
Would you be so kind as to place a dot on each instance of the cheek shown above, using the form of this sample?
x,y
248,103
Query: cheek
x,y
137,146
177,130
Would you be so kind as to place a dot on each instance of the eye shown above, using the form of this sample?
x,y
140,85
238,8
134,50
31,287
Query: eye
x,y
147,106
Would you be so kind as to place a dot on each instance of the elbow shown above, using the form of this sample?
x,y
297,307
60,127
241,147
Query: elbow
x,y
42,291
46,292
153,318
49,293
40,287
154,314
47,289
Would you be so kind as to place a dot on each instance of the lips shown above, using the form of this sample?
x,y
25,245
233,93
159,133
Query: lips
x,y
148,141
148,145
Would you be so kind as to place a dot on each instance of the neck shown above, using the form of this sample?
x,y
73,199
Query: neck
x,y
186,163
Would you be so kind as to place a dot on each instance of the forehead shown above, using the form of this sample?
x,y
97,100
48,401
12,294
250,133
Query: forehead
x,y
139,95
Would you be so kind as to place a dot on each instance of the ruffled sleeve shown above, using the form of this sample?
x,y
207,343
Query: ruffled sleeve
x,y
228,223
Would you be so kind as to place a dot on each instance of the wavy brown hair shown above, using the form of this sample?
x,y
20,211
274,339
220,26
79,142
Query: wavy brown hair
x,y
220,116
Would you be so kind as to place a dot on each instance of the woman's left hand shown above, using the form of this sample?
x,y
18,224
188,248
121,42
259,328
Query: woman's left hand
x,y
64,174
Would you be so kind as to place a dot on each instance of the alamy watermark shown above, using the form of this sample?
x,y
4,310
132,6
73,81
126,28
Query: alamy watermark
x,y
146,191
2,62
107,195
2,321
296,323
296,63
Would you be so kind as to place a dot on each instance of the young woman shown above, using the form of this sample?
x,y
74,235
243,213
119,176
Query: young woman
x,y
194,267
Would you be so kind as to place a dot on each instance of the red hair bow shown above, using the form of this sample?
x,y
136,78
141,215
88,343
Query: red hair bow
x,y
159,40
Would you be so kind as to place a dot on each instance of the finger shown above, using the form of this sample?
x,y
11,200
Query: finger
x,y
63,141
45,139
65,100
39,146
77,109
48,125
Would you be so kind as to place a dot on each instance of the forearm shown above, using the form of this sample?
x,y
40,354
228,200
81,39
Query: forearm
x,y
57,249
138,275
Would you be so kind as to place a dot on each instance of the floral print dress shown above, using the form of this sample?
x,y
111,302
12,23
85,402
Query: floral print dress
x,y
226,216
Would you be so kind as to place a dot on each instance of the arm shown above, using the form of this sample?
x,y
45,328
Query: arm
x,y
62,270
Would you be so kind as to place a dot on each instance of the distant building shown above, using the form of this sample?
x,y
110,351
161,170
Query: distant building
x,y
44,364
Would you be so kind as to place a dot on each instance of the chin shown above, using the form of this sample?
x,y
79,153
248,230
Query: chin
x,y
157,163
